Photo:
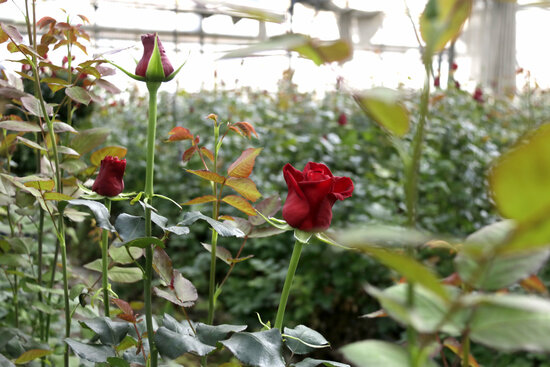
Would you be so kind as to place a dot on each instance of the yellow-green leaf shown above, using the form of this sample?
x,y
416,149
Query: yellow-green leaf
x,y
56,196
520,179
201,200
384,106
442,21
46,185
244,186
31,355
239,203
208,175
100,154
243,166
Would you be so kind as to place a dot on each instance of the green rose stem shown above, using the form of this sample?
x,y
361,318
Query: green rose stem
x,y
296,252
411,195
105,262
214,244
149,173
61,223
32,41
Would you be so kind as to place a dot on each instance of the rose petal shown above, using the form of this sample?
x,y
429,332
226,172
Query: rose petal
x,y
343,187
296,206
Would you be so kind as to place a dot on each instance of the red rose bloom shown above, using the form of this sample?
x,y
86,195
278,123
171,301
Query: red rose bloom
x,y
109,180
148,41
311,195
478,95
342,119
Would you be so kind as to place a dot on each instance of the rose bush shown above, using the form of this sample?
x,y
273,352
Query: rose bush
x,y
142,67
311,195
109,181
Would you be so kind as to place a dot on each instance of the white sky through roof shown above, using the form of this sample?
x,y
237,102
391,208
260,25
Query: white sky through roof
x,y
204,69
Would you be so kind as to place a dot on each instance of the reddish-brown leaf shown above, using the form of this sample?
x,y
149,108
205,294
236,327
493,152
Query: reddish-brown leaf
x,y
188,154
179,133
456,348
162,264
123,305
84,18
246,128
45,21
244,186
208,153
239,203
243,166
201,200
534,284
208,175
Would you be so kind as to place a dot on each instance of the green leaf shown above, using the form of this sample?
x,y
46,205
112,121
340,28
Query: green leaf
x,y
268,207
130,227
171,344
384,106
31,144
15,260
4,362
376,353
91,352
142,242
32,105
511,322
109,332
302,236
382,236
212,334
117,362
78,94
61,127
411,269
481,266
307,340
224,230
31,355
325,52
120,254
310,362
89,139
119,274
22,126
442,21
287,42
427,313
221,253
243,166
259,349
99,210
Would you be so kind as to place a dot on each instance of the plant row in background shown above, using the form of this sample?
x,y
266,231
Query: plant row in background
x,y
206,248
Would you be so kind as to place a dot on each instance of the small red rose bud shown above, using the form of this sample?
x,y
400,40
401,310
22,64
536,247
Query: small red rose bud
x,y
342,119
457,84
143,68
109,180
478,95
311,195
454,66
437,82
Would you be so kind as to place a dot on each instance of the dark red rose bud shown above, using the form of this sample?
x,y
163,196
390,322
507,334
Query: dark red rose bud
x,y
148,41
311,195
478,95
457,84
342,119
454,66
437,82
109,180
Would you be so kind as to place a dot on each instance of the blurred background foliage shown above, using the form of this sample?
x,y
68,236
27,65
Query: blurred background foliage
x,y
464,136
